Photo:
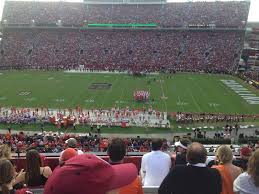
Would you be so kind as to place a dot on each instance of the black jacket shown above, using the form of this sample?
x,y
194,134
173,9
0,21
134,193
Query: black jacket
x,y
242,163
191,180
181,159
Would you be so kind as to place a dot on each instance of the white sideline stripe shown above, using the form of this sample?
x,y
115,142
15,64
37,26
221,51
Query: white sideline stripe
x,y
243,92
105,72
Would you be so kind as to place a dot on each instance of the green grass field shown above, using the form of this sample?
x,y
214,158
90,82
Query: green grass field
x,y
184,92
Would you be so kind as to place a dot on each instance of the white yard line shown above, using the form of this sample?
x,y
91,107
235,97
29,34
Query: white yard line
x,y
203,93
162,89
109,91
179,100
92,96
195,102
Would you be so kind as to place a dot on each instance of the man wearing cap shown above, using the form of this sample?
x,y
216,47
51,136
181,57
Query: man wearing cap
x,y
245,154
67,154
155,165
89,174
193,178
71,143
181,147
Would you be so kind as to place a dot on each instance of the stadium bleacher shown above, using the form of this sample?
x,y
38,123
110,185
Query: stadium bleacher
x,y
224,14
187,37
122,50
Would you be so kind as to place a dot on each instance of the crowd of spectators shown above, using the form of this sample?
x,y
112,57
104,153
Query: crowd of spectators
x,y
222,172
55,143
64,118
222,14
122,50
251,75
21,118
210,118
227,133
133,51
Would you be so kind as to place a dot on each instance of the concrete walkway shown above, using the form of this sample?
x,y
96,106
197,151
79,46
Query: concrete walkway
x,y
169,136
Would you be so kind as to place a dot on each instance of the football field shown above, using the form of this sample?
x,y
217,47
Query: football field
x,y
184,92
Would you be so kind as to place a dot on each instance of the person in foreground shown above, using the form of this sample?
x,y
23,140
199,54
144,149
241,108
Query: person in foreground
x,y
181,146
193,178
5,152
67,154
248,182
116,151
242,162
35,175
7,174
89,174
227,170
71,143
155,165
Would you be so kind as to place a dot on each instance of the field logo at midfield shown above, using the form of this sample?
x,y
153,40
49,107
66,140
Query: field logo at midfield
x,y
100,86
247,95
24,93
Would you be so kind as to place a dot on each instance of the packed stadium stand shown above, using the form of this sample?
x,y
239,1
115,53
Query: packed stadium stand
x,y
227,14
122,50
176,42
133,37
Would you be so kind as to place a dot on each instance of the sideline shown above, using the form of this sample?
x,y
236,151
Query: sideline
x,y
104,72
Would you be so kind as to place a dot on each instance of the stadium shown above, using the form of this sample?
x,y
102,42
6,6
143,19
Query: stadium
x,y
154,74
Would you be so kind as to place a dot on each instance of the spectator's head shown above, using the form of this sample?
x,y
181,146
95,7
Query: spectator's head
x,y
68,153
196,153
182,145
33,164
7,173
71,143
253,167
224,154
88,174
116,150
5,151
156,144
245,152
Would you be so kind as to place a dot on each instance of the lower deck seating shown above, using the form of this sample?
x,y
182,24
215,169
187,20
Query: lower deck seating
x,y
52,162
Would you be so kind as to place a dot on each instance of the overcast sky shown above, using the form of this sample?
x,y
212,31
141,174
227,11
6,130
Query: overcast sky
x,y
253,14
